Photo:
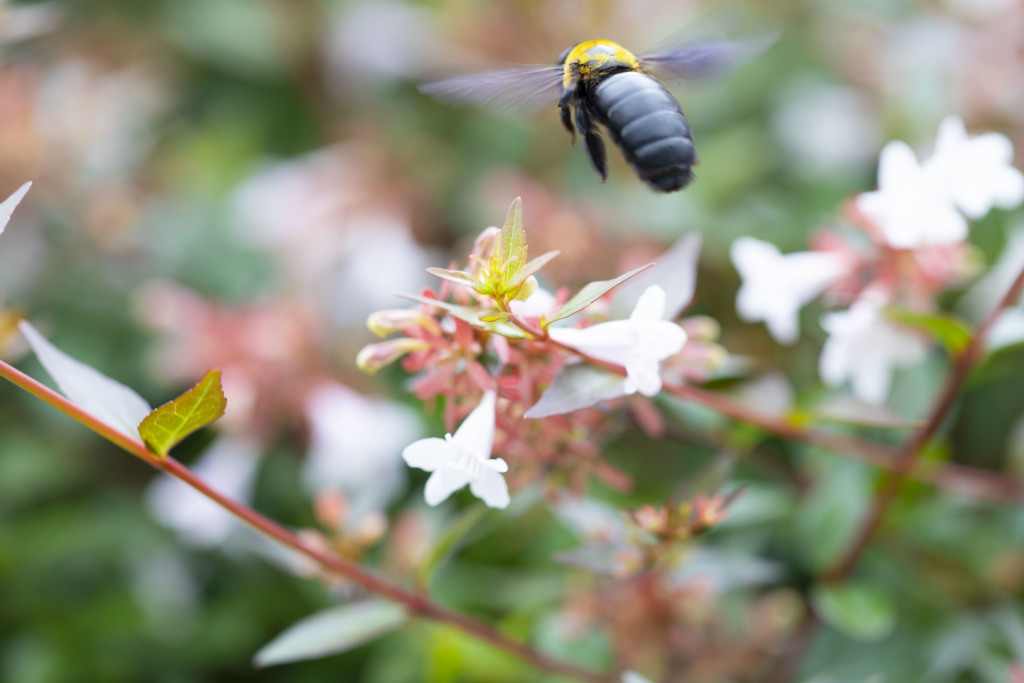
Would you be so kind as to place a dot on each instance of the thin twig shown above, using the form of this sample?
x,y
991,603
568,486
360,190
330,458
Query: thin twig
x,y
911,450
417,604
966,481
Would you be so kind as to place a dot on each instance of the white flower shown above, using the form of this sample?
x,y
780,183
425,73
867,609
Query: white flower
x,y
633,677
354,446
1008,330
864,347
975,173
8,205
910,207
638,343
775,286
534,306
463,458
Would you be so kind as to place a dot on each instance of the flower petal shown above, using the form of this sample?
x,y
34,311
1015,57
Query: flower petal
x,y
775,286
749,255
442,483
642,375
491,488
428,454
8,205
476,433
650,306
897,164
609,341
783,325
661,339
872,380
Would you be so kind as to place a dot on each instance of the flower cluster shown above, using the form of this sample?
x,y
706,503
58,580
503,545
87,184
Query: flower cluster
x,y
901,245
522,382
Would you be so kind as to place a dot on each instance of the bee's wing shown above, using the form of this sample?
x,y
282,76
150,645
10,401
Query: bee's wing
x,y
523,89
704,60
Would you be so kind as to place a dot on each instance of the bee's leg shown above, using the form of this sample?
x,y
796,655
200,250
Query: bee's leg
x,y
592,138
595,152
565,103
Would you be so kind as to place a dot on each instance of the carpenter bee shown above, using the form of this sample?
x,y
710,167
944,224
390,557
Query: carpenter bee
x,y
599,82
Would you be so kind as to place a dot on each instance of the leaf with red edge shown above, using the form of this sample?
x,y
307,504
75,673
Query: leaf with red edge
x,y
513,241
201,405
459,277
591,293
531,268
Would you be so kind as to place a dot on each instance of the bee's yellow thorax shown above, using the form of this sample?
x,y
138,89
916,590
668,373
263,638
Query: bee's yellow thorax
x,y
595,57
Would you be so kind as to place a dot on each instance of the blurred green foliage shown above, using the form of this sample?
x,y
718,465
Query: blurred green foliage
x,y
93,589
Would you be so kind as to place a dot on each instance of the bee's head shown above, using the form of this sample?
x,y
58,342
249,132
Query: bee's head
x,y
565,53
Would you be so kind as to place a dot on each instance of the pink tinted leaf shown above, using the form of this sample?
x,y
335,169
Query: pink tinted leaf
x,y
105,399
459,277
576,387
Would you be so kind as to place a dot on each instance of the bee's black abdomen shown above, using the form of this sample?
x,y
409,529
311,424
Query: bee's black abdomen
x,y
648,125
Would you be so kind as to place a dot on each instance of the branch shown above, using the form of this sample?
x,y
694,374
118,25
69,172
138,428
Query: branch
x,y
417,604
911,450
966,481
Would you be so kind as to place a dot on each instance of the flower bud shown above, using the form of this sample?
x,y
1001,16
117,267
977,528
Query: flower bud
x,y
528,288
389,321
376,356
701,328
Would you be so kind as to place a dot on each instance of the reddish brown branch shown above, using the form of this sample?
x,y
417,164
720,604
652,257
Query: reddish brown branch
x,y
417,604
911,450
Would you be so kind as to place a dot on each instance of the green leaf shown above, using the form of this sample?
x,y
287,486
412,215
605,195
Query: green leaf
x,y
831,510
591,293
531,268
860,611
575,387
513,240
474,316
166,426
946,329
332,631
459,277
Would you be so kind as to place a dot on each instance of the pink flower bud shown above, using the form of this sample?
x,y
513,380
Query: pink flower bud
x,y
701,328
376,356
483,247
387,322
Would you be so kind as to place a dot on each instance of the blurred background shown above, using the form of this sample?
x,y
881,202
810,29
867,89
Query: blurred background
x,y
238,183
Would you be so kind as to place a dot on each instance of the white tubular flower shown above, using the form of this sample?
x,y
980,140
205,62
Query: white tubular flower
x,y
775,286
463,458
864,347
536,305
909,206
638,343
975,173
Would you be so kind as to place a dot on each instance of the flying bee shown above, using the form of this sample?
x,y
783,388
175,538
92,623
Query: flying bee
x,y
600,83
